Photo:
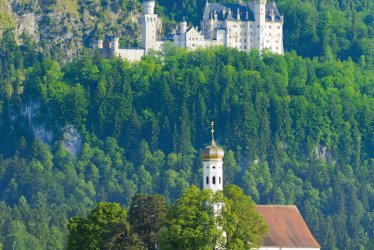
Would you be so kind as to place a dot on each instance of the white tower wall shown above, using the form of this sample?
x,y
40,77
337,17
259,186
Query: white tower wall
x,y
259,12
213,177
115,46
149,26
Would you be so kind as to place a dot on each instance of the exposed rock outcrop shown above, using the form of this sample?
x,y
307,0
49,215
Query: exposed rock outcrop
x,y
62,28
72,140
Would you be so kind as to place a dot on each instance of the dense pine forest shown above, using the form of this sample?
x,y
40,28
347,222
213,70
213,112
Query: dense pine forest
x,y
296,129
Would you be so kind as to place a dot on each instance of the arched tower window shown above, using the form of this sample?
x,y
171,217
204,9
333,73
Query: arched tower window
x,y
207,180
214,180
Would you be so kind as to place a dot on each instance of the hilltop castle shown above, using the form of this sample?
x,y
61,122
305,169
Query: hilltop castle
x,y
242,26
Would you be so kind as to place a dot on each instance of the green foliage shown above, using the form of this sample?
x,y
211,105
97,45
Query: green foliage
x,y
295,131
6,19
328,29
146,215
244,226
191,222
105,227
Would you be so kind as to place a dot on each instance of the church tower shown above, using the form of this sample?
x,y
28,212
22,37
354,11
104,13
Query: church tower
x,y
212,162
149,26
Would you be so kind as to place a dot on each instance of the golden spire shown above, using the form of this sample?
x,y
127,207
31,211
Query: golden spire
x,y
212,130
212,152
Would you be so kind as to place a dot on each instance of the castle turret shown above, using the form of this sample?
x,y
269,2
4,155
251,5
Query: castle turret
x,y
115,46
100,43
212,162
182,31
183,27
149,26
229,12
149,7
215,15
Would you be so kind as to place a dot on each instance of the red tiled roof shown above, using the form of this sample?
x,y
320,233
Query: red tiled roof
x,y
287,227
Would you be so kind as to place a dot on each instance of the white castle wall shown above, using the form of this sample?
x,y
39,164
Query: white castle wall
x,y
131,54
234,32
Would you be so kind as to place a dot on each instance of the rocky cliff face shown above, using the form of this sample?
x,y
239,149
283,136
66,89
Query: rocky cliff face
x,y
63,28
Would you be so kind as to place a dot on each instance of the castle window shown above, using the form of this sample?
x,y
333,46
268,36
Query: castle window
x,y
207,180
214,167
220,180
250,26
258,26
278,27
207,167
214,180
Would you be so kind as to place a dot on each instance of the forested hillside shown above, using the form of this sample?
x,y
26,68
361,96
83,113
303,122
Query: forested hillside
x,y
76,129
295,131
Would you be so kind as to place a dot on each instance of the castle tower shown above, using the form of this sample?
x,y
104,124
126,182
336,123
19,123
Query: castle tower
x,y
100,44
212,162
259,13
182,31
115,46
149,26
183,27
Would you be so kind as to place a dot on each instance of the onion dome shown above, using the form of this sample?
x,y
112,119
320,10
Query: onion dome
x,y
212,152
